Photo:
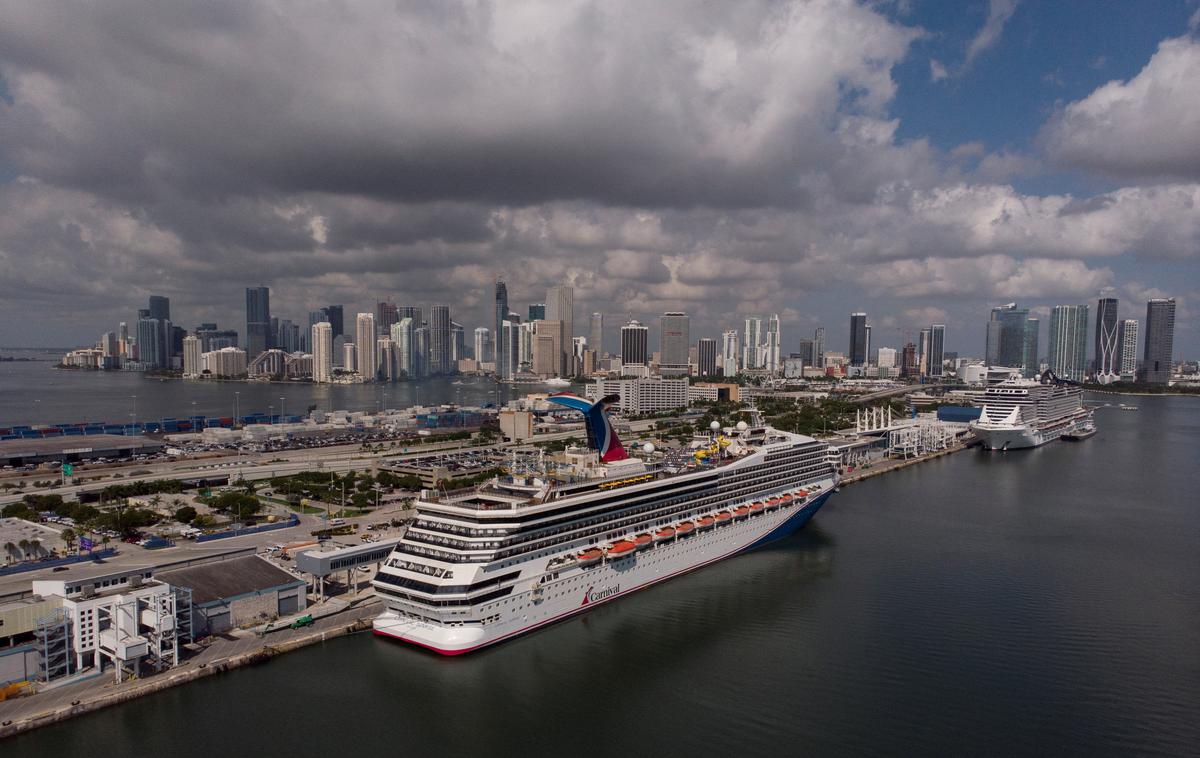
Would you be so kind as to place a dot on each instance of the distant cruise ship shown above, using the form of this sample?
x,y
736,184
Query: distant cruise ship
x,y
485,564
1020,413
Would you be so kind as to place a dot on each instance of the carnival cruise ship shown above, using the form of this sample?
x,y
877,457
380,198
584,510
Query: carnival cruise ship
x,y
542,543
1019,413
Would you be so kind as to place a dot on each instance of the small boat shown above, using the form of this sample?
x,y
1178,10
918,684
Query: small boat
x,y
665,533
723,518
757,507
642,541
590,557
705,522
621,549
741,512
684,528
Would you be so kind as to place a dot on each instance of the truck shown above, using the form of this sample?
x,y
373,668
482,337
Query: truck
x,y
303,621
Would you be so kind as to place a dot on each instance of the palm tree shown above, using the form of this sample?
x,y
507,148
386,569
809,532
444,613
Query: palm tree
x,y
36,547
68,536
24,545
9,550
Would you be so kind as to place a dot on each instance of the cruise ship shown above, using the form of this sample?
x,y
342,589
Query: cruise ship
x,y
541,543
1019,413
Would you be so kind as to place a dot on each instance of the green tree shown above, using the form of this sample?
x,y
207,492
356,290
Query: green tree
x,y
185,514
68,536
24,545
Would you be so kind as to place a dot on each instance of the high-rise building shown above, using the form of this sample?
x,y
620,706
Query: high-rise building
x,y
410,311
365,339
483,344
1006,337
596,335
458,345
1127,342
421,351
537,312
635,344
191,355
886,358
1030,360
560,306
287,337
706,357
908,365
858,339
389,370
729,353
153,343
123,341
772,352
1068,341
1160,341
937,350
335,315
819,346
322,351
807,353
508,362
258,321
751,344
386,314
349,356
674,339
402,338
1108,352
504,367
546,344
439,341
160,307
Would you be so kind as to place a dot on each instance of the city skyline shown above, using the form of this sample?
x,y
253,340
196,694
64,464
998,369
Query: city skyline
x,y
965,172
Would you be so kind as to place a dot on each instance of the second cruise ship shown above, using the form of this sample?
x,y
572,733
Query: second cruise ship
x,y
1019,413
539,544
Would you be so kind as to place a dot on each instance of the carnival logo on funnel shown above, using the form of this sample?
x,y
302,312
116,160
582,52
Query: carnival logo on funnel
x,y
591,596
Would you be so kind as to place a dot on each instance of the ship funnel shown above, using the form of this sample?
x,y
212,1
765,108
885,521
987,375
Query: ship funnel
x,y
601,436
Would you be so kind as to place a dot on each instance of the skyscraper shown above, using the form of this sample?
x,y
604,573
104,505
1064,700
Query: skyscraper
x,y
819,347
1108,351
751,342
508,362
386,314
546,344
402,338
635,341
537,311
674,338
1068,341
772,351
706,357
483,344
191,355
1127,342
458,345
858,339
1160,341
410,311
807,352
503,365
1011,341
923,348
368,348
729,353
937,349
349,356
322,351
439,340
560,306
596,335
335,315
1031,363
258,321
160,307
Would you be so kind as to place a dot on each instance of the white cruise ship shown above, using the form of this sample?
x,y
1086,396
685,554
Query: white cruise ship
x,y
483,565
1019,413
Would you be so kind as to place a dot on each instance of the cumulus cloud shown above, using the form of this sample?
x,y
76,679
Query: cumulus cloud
x,y
1148,126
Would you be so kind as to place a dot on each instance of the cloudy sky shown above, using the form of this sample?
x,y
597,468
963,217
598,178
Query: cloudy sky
x,y
919,160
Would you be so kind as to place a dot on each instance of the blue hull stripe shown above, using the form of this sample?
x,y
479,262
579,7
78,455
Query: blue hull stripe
x,y
793,524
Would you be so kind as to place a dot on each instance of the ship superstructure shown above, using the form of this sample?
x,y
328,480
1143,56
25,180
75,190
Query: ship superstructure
x,y
544,542
1020,413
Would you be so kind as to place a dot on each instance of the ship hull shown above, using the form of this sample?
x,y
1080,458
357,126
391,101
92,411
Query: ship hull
x,y
582,590
1019,437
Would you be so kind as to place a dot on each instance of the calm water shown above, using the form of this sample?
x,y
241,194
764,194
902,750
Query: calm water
x,y
36,393
1042,602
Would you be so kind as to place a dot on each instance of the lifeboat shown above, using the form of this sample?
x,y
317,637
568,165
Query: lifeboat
x,y
741,512
773,504
705,522
642,541
590,557
723,518
621,549
684,528
757,507
665,533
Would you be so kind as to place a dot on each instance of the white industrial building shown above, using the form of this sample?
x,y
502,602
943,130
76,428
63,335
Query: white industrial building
x,y
645,395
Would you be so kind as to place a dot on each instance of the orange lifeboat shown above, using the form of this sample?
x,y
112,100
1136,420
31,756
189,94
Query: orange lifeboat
x,y
621,549
723,518
757,507
590,557
642,541
741,511
773,504
801,493
684,528
705,522
665,533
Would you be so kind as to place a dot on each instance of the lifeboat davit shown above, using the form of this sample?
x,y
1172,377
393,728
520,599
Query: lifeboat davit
x,y
621,549
642,541
723,518
705,522
742,511
665,533
591,556
684,528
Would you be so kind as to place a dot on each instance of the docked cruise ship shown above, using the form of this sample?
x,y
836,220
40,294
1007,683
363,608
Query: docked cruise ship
x,y
1020,413
541,543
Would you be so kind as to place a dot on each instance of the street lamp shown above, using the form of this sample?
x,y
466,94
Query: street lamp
x,y
282,406
237,397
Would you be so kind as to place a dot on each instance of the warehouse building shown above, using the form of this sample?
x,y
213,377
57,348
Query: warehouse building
x,y
238,592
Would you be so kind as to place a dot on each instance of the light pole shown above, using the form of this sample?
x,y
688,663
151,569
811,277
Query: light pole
x,y
237,397
282,406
